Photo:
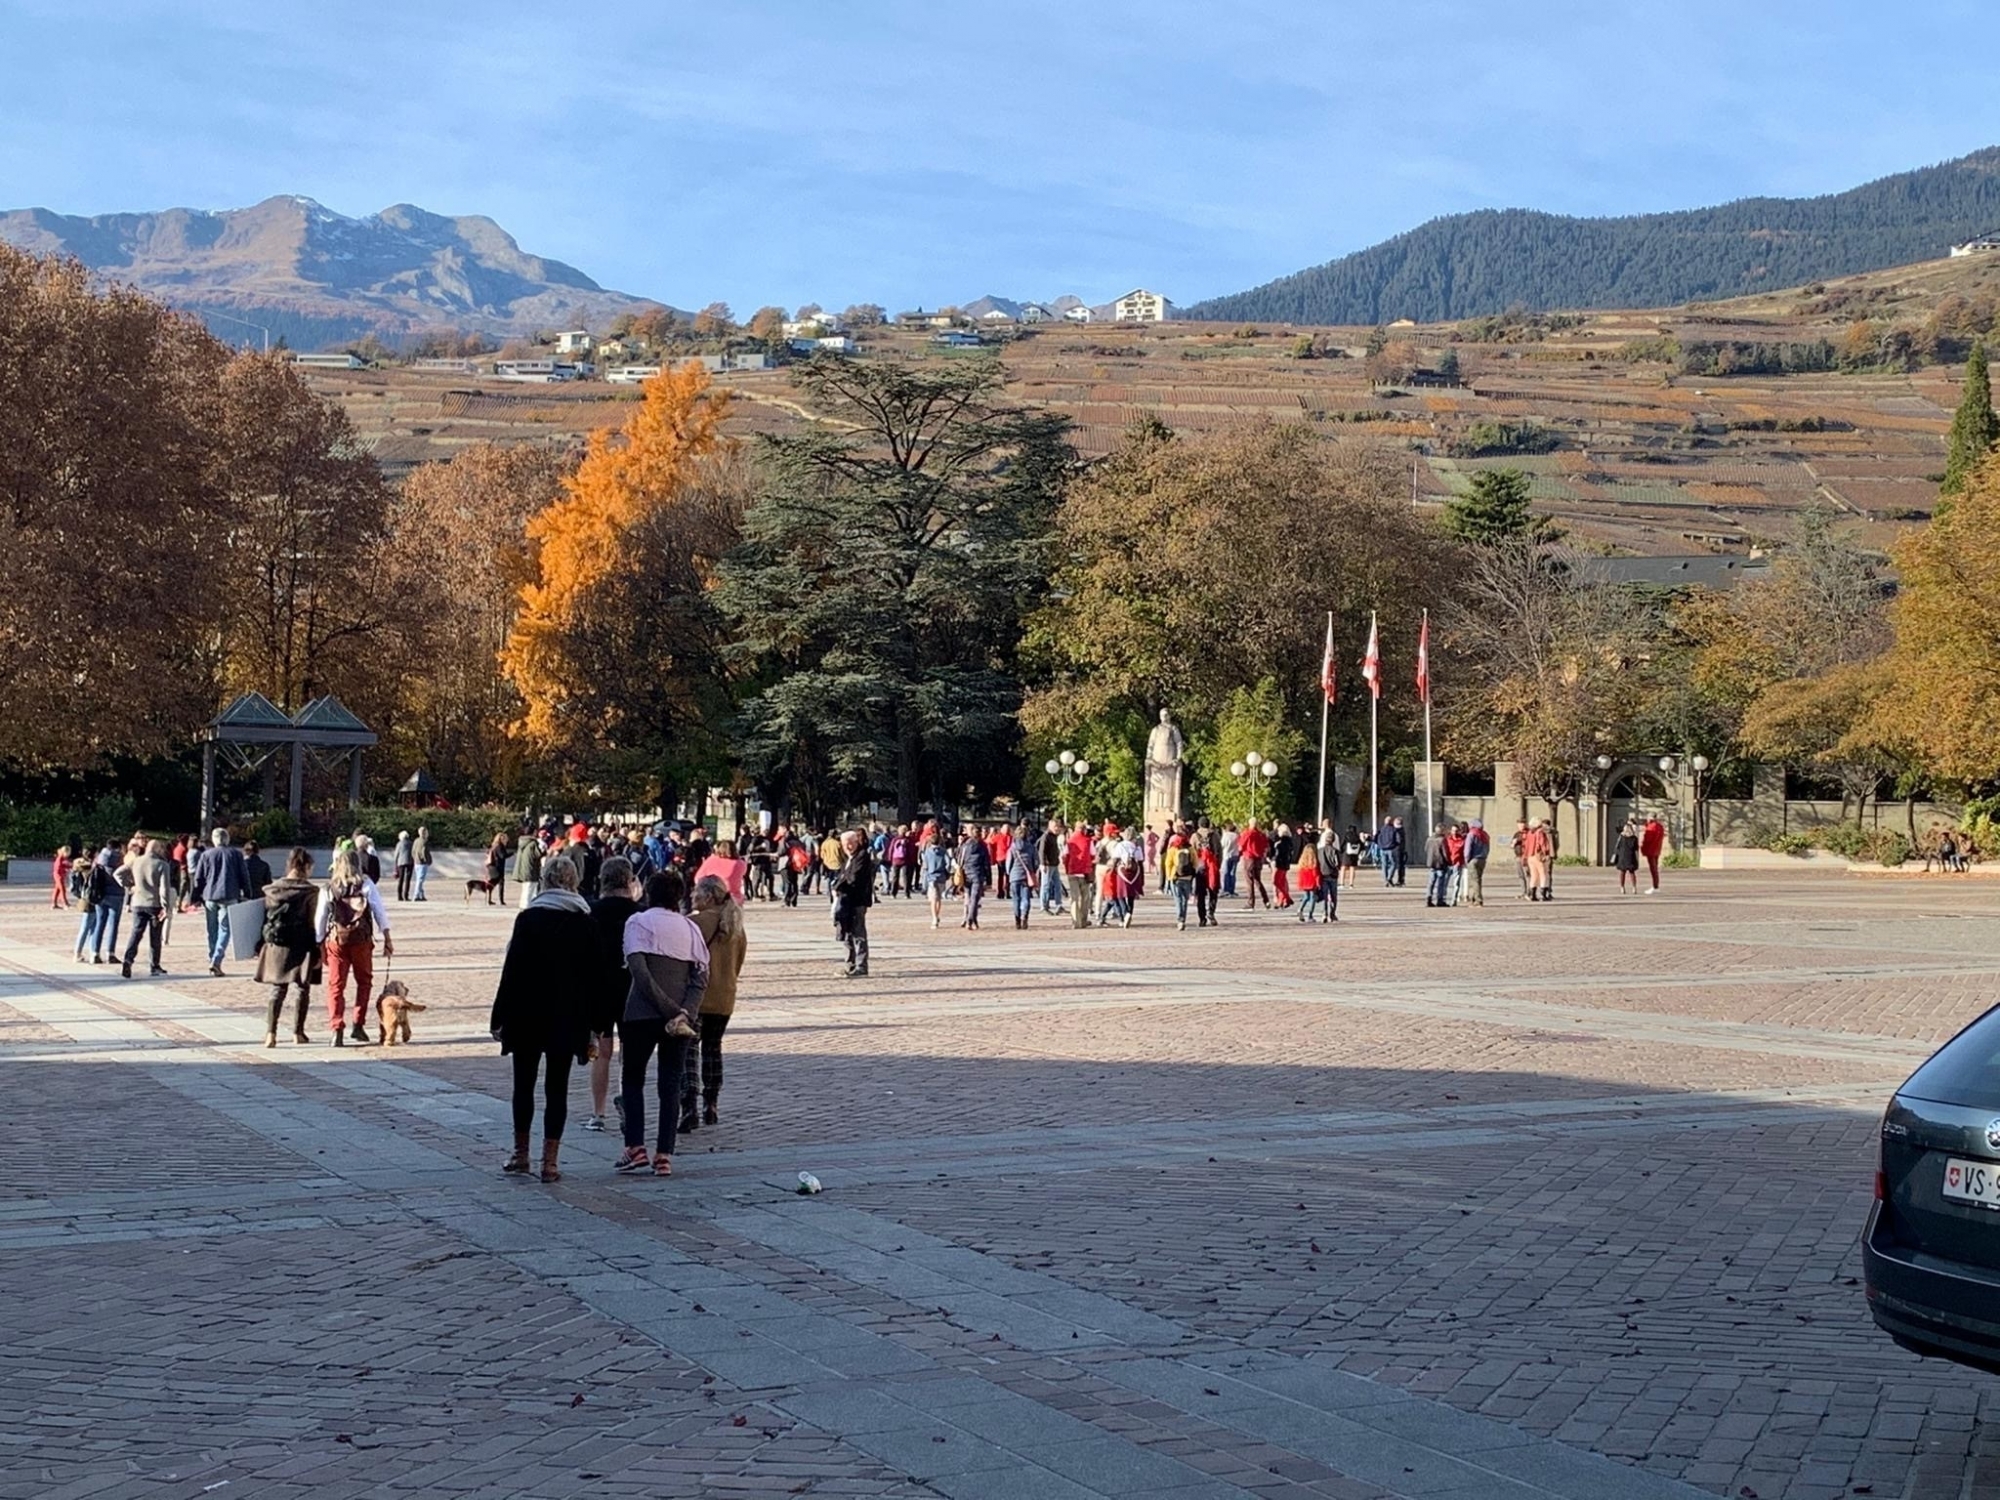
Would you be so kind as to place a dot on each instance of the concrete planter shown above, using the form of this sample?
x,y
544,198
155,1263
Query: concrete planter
x,y
1716,857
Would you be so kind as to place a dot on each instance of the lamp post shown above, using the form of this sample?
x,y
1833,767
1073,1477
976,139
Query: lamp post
x,y
1066,770
227,318
1256,770
1685,774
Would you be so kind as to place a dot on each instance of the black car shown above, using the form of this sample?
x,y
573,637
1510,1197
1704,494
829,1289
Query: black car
x,y
1931,1251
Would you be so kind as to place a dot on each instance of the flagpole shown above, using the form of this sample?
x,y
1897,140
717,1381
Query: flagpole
x,y
1430,765
1374,742
1325,705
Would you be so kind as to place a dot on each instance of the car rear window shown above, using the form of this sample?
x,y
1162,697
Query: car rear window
x,y
1965,1070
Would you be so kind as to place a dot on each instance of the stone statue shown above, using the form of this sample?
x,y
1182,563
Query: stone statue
x,y
1164,747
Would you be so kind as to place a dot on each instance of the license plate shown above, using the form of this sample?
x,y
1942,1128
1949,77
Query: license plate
x,y
1973,1182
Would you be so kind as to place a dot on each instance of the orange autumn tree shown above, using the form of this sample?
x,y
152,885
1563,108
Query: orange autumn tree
x,y
608,650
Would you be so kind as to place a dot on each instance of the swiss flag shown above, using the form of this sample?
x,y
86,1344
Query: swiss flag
x,y
1329,684
1371,664
1424,660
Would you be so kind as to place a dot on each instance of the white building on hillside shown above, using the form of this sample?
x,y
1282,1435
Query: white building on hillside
x,y
1142,306
1979,244
330,361
1077,314
576,341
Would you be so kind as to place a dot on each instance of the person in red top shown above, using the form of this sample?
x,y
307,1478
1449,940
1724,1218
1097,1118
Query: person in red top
x,y
60,899
1454,850
1208,874
1078,864
1253,847
1652,840
998,843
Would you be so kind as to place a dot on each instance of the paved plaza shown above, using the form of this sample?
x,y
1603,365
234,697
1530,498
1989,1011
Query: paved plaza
x,y
1498,1204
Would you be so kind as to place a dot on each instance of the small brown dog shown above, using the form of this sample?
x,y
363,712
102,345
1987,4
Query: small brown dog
x,y
394,1005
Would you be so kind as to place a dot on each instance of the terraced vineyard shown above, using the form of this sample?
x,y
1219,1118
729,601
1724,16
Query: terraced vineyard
x,y
1647,459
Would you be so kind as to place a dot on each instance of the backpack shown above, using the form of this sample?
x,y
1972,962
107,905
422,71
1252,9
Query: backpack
x,y
800,858
350,920
1180,863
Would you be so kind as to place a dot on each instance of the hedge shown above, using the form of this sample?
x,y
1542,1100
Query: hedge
x,y
37,830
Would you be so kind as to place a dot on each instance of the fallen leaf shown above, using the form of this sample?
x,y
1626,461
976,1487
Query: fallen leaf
x,y
739,1420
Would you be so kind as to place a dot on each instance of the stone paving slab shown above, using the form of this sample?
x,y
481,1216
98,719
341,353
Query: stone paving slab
x,y
1524,1201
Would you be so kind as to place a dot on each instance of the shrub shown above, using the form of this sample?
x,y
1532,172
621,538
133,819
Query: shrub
x,y
1796,844
1486,437
275,829
37,830
1682,859
451,827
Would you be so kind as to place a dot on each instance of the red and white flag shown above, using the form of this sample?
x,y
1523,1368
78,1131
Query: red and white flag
x,y
1371,663
1329,684
1424,660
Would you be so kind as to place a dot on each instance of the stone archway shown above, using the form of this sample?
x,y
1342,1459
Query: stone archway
x,y
1632,789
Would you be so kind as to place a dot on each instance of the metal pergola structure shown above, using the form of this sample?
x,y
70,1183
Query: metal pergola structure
x,y
249,733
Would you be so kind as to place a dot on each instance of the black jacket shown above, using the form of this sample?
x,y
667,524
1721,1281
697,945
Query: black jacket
x,y
607,1006
550,976
854,885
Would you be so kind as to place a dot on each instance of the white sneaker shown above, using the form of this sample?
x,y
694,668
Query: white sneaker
x,y
1652,890
595,1122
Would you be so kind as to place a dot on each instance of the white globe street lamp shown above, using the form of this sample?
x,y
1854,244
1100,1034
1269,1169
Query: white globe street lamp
x,y
1067,770
1256,770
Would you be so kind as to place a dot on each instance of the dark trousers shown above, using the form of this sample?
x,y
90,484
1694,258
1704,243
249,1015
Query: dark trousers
x,y
791,886
701,1074
403,874
1204,902
639,1040
145,923
298,1011
1440,885
1253,871
853,921
555,1112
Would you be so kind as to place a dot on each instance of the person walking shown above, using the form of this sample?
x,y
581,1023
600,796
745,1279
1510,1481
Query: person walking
x,y
668,963
724,865
345,921
1332,866
1177,869
1478,848
404,861
1049,858
1079,864
496,869
1284,855
853,894
1023,875
542,1009
1551,844
1625,858
1437,855
420,853
1652,843
1535,854
1388,844
219,880
1207,873
1232,856
934,869
1454,850
288,956
256,871
1305,873
1521,871
90,884
616,904
148,882
975,872
719,919
528,869
59,897
1253,846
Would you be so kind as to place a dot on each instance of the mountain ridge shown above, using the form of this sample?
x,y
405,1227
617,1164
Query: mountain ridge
x,y
316,276
1485,261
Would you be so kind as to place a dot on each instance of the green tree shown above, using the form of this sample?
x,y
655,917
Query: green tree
x,y
1252,719
887,561
1974,429
1495,510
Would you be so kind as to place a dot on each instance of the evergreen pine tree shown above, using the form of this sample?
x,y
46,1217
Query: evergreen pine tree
x,y
1495,509
1975,428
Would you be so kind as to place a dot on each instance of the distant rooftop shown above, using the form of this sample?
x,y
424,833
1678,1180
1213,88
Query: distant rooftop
x,y
1702,570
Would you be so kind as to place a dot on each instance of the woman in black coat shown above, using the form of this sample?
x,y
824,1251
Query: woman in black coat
x,y
1625,857
616,901
543,1006
287,955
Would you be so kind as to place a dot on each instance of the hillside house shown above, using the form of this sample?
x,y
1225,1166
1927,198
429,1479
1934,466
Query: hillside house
x,y
957,338
632,374
1078,314
451,366
1034,312
576,341
1979,244
1141,306
537,371
736,359
330,361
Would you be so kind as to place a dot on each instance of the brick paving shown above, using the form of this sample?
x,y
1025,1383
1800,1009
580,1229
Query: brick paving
x,y
1506,1203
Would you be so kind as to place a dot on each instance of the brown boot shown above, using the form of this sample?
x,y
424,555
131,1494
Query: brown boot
x,y
549,1172
517,1164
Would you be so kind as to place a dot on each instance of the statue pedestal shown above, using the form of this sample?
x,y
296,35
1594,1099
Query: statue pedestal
x,y
1163,795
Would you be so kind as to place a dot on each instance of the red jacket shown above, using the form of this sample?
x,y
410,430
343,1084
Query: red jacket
x,y
1652,838
1077,856
1254,844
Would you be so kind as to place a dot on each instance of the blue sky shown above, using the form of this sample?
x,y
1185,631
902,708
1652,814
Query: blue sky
x,y
903,152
